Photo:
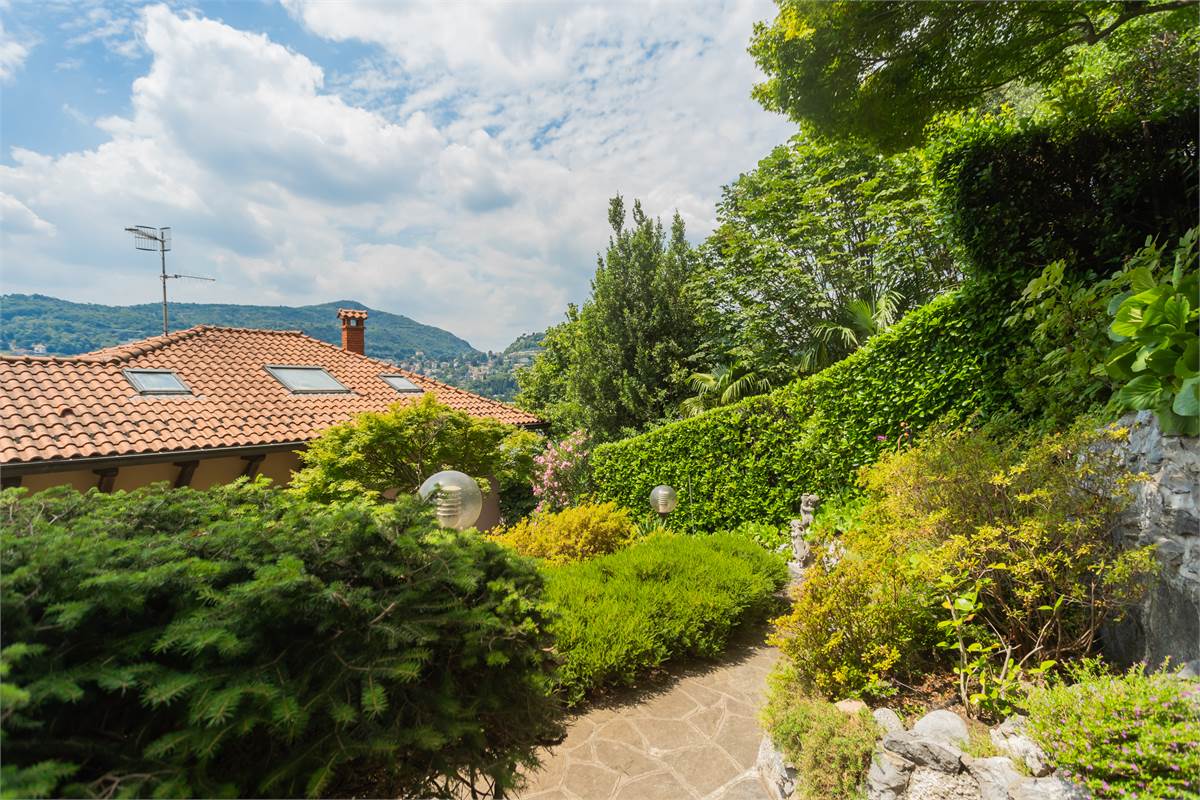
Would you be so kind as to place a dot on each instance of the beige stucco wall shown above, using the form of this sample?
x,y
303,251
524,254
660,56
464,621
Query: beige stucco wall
x,y
209,472
80,479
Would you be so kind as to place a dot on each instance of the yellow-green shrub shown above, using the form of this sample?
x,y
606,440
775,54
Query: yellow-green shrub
x,y
573,534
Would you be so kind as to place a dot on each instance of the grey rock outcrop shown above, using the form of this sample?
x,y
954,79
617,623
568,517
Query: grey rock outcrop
x,y
1010,738
942,726
774,772
993,776
1047,789
1166,513
932,784
924,752
888,720
888,776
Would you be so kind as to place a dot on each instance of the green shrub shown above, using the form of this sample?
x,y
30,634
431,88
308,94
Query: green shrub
x,y
243,642
1158,350
857,626
752,461
665,597
830,748
401,447
573,534
1130,735
1007,550
1019,195
770,537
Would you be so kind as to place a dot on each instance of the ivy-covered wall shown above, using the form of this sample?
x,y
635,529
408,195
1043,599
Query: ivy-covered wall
x,y
753,460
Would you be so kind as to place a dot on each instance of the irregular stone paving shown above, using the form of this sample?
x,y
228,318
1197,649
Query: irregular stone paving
x,y
695,738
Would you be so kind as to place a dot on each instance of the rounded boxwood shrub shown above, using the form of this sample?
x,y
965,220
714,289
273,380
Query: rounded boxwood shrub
x,y
243,642
573,534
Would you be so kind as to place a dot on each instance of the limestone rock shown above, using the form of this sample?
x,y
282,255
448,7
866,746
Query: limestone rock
x,y
1009,737
924,752
1047,789
850,707
888,777
993,775
774,772
942,726
931,784
888,720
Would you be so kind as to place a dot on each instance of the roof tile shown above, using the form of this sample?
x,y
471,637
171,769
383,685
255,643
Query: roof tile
x,y
55,408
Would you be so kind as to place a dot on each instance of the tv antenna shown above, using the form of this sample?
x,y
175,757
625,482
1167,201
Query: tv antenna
x,y
147,238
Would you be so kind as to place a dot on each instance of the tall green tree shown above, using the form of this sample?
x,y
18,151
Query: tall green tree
x,y
883,70
543,384
816,227
632,339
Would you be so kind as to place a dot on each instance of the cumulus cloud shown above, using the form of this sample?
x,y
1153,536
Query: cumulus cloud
x,y
460,175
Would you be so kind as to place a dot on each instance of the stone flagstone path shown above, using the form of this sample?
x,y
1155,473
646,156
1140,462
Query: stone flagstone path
x,y
695,737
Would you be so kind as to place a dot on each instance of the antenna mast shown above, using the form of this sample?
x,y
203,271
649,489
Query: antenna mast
x,y
148,238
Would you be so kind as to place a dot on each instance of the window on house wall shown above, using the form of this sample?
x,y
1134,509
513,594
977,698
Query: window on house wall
x,y
307,380
156,381
402,384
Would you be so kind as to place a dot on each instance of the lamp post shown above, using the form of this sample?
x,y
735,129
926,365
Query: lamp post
x,y
663,500
456,497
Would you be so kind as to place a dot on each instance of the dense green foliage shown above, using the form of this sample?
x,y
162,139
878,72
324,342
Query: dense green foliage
x,y
663,598
1130,735
68,328
1158,346
751,461
882,71
636,330
1005,552
619,364
831,750
1019,195
813,230
399,448
573,534
244,642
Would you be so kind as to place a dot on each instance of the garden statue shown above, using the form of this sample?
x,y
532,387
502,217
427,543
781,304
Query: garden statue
x,y
800,547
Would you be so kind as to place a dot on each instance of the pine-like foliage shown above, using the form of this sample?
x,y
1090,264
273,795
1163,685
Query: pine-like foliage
x,y
242,642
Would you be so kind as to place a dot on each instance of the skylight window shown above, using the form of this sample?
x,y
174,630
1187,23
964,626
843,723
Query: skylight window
x,y
156,381
402,384
307,380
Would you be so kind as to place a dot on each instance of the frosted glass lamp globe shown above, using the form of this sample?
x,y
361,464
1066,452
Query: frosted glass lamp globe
x,y
456,497
663,499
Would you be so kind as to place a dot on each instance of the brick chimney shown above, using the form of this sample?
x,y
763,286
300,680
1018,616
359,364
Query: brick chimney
x,y
354,325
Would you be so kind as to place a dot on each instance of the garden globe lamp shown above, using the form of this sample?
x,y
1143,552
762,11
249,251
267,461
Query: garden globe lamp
x,y
456,497
663,500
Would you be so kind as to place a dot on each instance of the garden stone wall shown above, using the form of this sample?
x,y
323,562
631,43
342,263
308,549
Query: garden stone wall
x,y
929,762
1166,513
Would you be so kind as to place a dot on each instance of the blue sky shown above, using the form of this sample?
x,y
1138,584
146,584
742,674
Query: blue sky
x,y
448,161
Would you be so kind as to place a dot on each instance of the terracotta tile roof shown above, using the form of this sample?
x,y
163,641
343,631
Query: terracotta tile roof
x,y
54,408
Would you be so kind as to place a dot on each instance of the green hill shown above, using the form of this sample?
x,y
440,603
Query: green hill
x,y
29,323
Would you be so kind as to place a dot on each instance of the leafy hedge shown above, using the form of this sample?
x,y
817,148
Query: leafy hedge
x,y
665,597
751,461
243,642
1019,195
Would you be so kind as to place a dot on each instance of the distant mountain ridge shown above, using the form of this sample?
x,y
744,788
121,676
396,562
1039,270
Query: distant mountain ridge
x,y
37,323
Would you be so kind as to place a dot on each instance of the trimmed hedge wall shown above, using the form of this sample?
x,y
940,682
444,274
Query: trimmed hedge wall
x,y
751,461
1018,196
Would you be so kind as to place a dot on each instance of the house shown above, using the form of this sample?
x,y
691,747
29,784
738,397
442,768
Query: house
x,y
198,407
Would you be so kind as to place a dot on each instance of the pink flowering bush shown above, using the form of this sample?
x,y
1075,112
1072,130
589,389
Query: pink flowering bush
x,y
560,473
1131,735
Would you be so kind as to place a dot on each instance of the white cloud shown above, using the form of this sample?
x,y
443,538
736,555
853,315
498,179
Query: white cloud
x,y
12,51
460,177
